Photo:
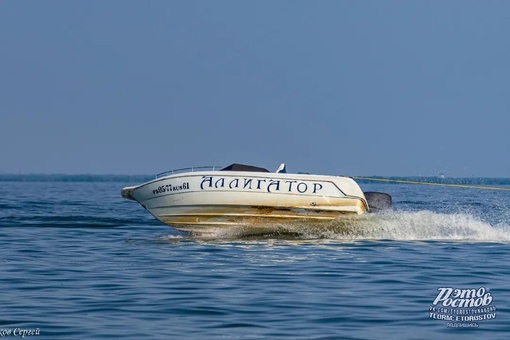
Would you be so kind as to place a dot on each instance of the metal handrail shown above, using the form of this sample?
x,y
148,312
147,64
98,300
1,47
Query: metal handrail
x,y
190,169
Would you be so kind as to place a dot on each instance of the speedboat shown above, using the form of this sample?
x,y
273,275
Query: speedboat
x,y
204,200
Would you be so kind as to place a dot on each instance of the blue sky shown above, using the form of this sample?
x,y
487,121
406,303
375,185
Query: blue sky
x,y
332,87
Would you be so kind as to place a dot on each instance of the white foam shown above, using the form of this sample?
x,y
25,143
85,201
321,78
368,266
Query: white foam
x,y
422,225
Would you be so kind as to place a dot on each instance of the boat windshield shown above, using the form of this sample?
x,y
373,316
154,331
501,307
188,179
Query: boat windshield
x,y
244,167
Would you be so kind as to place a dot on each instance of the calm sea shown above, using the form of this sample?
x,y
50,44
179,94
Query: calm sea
x,y
78,262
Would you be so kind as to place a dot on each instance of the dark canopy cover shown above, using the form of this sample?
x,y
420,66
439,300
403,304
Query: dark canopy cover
x,y
243,167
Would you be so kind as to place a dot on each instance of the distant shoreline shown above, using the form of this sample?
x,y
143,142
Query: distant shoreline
x,y
74,178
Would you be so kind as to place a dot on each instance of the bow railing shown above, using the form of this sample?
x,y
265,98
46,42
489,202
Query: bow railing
x,y
190,169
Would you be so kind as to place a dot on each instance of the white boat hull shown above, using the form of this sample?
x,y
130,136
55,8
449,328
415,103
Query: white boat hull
x,y
205,202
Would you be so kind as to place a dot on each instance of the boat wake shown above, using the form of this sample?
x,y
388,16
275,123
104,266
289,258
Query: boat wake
x,y
422,225
403,226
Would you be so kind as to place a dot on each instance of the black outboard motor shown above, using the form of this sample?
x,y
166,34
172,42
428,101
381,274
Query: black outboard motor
x,y
378,201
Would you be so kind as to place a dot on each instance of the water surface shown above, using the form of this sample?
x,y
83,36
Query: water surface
x,y
79,262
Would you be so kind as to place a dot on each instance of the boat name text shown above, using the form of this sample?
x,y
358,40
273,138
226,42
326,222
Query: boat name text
x,y
169,188
266,185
